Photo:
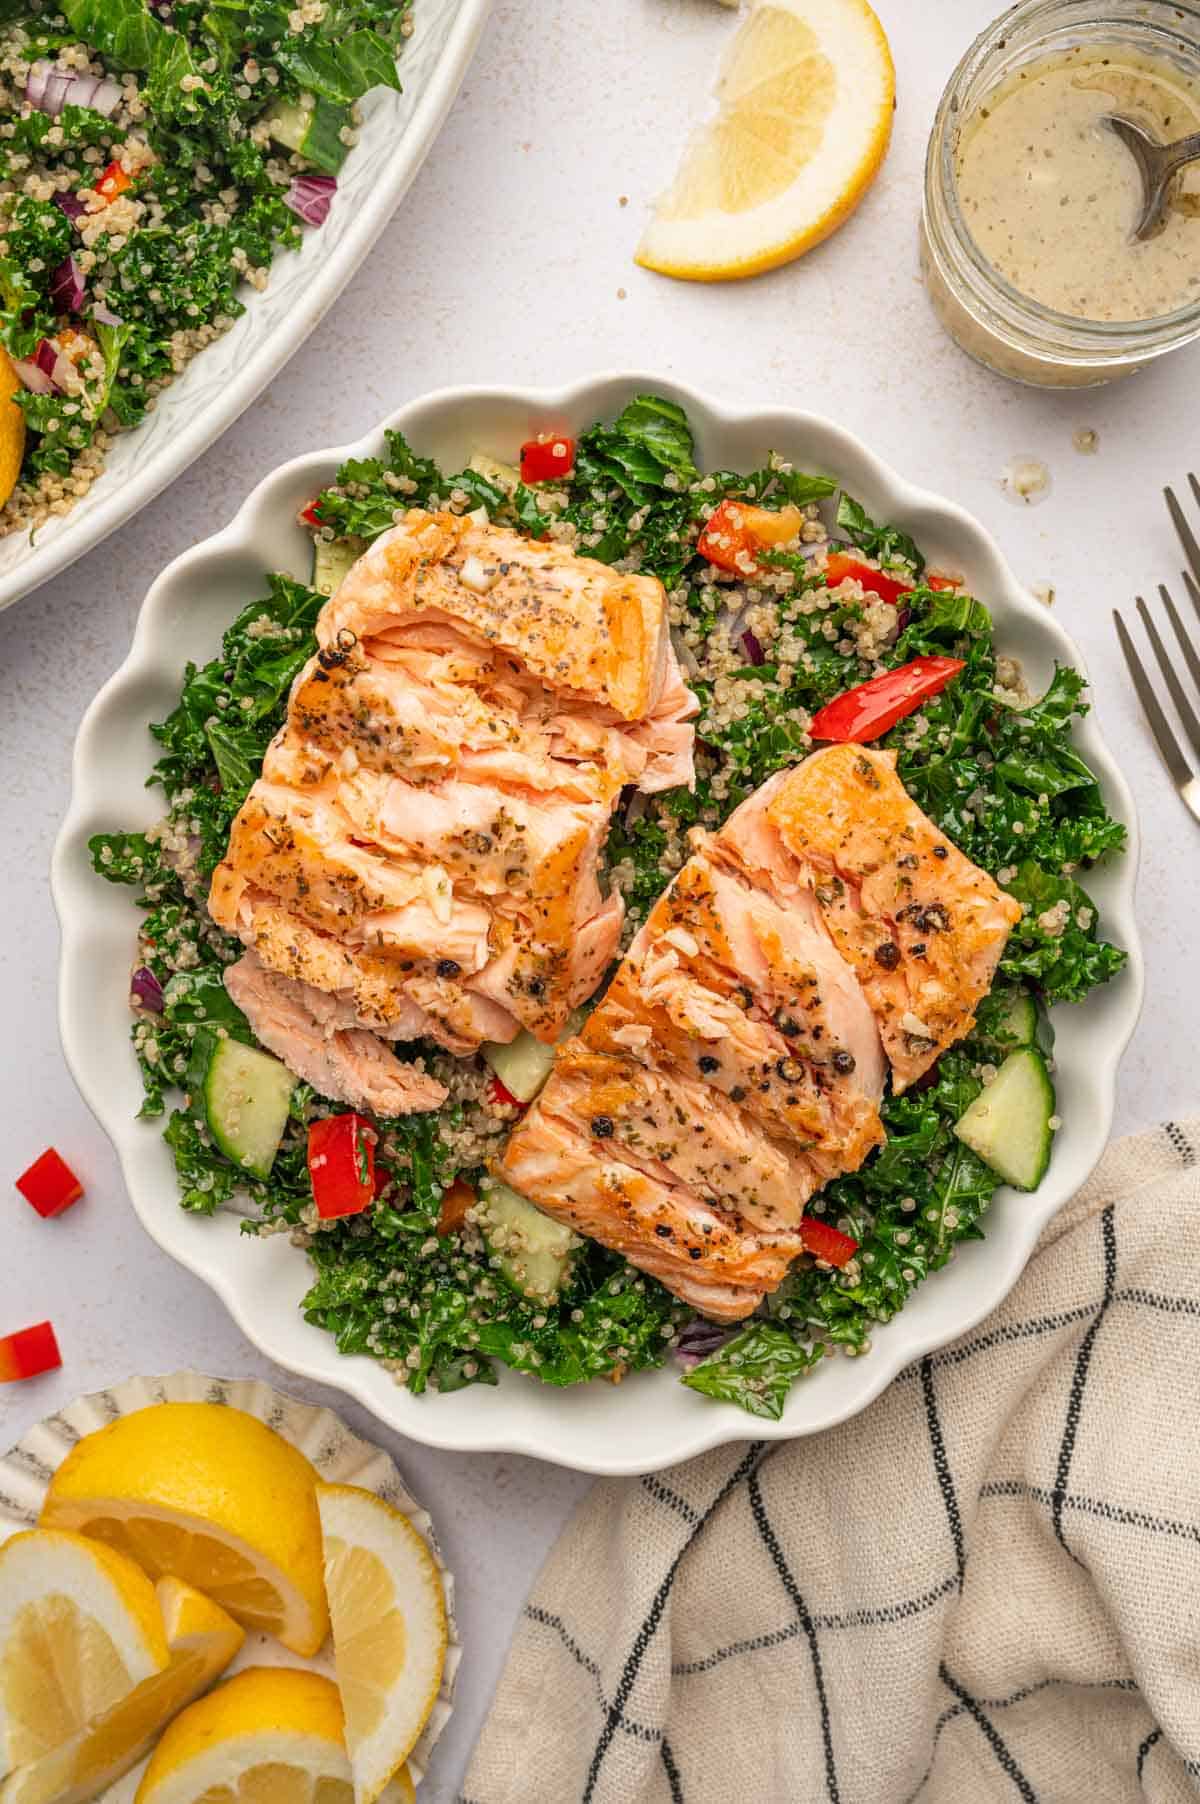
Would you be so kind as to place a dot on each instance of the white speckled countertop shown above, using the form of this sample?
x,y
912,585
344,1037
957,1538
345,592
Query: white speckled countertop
x,y
511,259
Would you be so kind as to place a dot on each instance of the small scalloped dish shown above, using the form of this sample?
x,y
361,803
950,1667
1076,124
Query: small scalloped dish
x,y
651,1420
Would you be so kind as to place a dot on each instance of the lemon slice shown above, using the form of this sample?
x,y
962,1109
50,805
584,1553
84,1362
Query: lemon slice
x,y
388,1610
201,1641
210,1495
272,1735
806,94
12,428
80,1626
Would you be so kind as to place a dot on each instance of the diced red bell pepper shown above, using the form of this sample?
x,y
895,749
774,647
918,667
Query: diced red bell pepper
x,y
864,713
888,588
341,1164
547,459
503,1097
942,582
310,516
114,181
455,1202
28,1352
736,531
50,1184
826,1242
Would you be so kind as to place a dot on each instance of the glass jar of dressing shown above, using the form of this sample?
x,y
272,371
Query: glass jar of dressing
x,y
1030,200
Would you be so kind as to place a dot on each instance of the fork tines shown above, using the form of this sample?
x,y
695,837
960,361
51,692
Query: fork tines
x,y
1181,772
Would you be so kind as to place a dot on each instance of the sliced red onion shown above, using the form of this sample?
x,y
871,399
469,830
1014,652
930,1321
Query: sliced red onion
x,y
31,377
71,205
104,316
146,989
66,287
50,89
753,650
309,196
697,1339
46,358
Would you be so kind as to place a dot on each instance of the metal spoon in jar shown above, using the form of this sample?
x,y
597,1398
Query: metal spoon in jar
x,y
1158,163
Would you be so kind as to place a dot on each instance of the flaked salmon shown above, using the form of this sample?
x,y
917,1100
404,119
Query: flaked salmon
x,y
424,840
344,1063
921,927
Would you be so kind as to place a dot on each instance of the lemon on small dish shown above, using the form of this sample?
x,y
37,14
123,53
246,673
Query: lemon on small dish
x,y
806,91
388,1610
270,1735
208,1494
80,1626
12,428
201,1641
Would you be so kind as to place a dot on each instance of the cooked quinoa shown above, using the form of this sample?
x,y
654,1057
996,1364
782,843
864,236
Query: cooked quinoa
x,y
153,159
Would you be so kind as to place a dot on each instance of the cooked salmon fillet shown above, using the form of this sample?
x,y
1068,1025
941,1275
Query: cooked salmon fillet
x,y
345,1064
423,842
733,1067
921,927
737,1061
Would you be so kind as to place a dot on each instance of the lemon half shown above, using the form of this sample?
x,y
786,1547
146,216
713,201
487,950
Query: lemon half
x,y
806,91
210,1495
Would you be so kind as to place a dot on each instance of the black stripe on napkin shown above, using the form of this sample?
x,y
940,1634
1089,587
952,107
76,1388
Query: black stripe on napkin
x,y
772,1546
991,1735
672,1772
941,1466
646,1633
1079,1380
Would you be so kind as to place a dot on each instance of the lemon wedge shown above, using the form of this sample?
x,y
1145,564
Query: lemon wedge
x,y
272,1735
12,428
388,1611
210,1495
80,1626
806,94
201,1641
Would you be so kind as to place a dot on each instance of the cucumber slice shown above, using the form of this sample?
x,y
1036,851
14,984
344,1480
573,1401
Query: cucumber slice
x,y
1007,1019
524,1064
535,1251
1008,1124
313,132
243,1095
332,560
505,476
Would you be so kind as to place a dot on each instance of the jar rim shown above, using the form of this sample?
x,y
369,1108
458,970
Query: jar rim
x,y
1040,329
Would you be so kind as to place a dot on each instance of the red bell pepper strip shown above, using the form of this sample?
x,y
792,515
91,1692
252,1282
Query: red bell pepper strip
x,y
545,459
50,1184
503,1097
310,516
735,532
28,1352
341,1164
888,588
455,1202
826,1242
864,713
942,582
114,181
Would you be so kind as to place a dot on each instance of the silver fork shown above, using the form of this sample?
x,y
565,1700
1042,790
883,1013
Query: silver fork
x,y
1181,772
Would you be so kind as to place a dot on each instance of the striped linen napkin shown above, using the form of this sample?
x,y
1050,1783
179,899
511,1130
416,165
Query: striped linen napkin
x,y
985,1586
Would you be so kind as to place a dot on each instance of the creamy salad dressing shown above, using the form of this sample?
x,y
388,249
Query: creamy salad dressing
x,y
1050,194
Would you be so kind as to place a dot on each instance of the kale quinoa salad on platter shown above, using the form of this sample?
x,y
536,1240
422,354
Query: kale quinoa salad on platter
x,y
611,916
155,155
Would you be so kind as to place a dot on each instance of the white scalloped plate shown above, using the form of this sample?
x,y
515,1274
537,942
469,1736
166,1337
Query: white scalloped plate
x,y
340,1457
650,1421
397,135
